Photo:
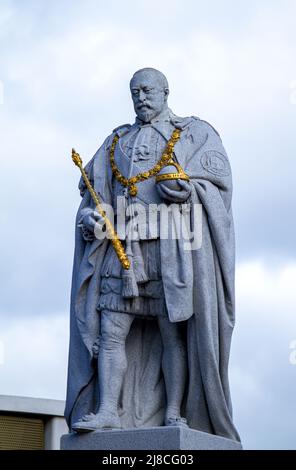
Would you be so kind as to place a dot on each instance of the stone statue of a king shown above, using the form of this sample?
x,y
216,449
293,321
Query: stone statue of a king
x,y
149,345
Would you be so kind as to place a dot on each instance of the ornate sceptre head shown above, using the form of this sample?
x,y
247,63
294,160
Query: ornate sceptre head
x,y
76,158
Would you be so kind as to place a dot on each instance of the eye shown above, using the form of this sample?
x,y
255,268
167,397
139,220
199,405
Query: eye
x,y
135,92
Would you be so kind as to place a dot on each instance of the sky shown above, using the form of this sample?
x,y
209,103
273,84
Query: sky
x,y
64,81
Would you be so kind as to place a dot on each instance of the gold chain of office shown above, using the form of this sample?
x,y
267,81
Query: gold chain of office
x,y
166,158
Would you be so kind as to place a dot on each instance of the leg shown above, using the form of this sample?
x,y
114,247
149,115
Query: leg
x,y
174,365
112,366
112,363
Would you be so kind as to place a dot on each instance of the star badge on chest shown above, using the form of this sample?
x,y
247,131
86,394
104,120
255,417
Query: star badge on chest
x,y
142,152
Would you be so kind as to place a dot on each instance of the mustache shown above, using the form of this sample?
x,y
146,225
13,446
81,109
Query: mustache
x,y
143,105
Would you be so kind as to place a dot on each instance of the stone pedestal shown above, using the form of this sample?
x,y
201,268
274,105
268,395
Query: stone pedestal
x,y
158,438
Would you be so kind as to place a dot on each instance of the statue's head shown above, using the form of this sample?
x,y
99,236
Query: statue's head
x,y
150,90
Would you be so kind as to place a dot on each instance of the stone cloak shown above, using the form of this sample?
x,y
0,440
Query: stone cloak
x,y
207,403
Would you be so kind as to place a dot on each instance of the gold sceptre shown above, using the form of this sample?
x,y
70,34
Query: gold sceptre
x,y
121,254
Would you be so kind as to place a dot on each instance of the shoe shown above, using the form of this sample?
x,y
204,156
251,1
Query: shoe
x,y
176,421
101,420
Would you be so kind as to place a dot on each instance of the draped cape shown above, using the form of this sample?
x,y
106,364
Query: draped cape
x,y
199,293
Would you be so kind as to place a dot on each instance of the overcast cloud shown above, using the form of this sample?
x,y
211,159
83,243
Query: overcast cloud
x,y
64,72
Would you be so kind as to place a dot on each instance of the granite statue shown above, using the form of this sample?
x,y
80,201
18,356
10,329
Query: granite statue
x,y
149,345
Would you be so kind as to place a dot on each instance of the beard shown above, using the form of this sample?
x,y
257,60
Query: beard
x,y
146,114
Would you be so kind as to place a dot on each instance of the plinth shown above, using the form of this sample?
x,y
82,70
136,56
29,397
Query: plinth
x,y
158,438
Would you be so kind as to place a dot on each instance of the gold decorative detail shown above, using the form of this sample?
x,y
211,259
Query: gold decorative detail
x,y
109,227
133,190
180,175
166,158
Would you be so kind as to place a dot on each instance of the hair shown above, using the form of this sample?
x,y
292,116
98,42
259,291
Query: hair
x,y
162,78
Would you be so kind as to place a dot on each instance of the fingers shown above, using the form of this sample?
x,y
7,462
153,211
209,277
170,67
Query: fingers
x,y
91,219
173,195
96,215
184,184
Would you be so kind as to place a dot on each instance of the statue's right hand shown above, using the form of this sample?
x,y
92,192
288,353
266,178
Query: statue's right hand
x,y
90,220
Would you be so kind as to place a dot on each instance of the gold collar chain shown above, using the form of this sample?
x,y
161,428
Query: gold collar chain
x,y
166,158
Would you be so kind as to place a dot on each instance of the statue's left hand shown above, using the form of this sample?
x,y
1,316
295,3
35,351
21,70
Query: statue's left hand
x,y
174,190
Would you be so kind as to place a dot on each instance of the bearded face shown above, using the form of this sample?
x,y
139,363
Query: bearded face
x,y
149,95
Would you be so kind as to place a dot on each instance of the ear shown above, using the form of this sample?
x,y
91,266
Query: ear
x,y
166,93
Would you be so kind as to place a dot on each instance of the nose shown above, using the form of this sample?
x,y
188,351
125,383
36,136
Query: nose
x,y
142,95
